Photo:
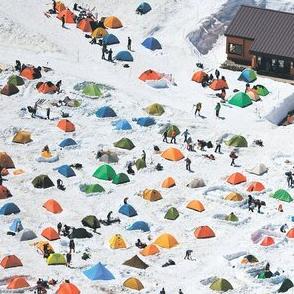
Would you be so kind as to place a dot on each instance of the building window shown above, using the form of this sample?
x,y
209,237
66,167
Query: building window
x,y
278,63
292,64
236,49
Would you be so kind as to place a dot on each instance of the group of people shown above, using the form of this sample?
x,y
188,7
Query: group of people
x,y
255,203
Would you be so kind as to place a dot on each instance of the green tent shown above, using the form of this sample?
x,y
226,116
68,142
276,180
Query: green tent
x,y
172,214
42,182
140,164
240,99
91,189
261,90
124,143
155,109
265,275
120,178
232,217
283,195
285,286
56,259
170,128
92,90
91,221
104,172
237,141
15,80
221,285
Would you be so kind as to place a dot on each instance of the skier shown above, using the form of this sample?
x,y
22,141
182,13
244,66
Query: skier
x,y
185,134
217,109
129,44
54,6
188,164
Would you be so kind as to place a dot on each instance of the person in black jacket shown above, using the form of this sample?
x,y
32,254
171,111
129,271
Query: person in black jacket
x,y
110,55
72,246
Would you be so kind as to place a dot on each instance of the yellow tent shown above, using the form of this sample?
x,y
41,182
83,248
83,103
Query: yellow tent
x,y
133,283
22,137
99,33
234,197
112,22
40,246
166,241
151,195
117,242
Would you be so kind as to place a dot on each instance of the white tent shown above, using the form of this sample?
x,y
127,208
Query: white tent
x,y
259,169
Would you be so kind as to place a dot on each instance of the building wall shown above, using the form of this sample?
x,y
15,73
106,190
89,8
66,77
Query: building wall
x,y
246,58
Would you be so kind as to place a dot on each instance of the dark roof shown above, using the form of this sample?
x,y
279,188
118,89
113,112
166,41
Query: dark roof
x,y
271,30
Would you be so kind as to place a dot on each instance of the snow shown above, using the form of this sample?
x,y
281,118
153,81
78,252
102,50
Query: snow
x,y
26,34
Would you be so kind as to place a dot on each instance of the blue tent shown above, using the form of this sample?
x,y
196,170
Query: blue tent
x,y
67,142
139,225
9,208
66,171
145,121
110,39
248,75
98,272
128,210
105,111
124,56
16,226
123,125
151,43
144,8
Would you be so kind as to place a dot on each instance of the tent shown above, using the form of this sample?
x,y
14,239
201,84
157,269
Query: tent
x,y
42,182
91,189
217,85
221,285
68,288
9,90
249,259
139,226
252,93
151,195
150,75
199,76
196,205
258,170
255,187
117,242
261,90
169,182
27,235
236,178
196,183
104,172
122,125
50,234
267,241
22,137
282,195
66,171
79,233
46,88
112,22
91,221
136,262
240,99
140,163
85,25
124,56
172,154
66,125
172,214
56,259
170,128
152,44
99,33
109,157
92,90
155,109
105,111
166,241
233,196
31,73
144,8
4,192
231,217
16,226
98,272
67,142
9,208
6,161
18,283
68,15
127,210
248,75
124,143
237,141
52,206
10,261
40,246
110,39
145,121
149,250
15,80
204,232
285,286
133,283
290,233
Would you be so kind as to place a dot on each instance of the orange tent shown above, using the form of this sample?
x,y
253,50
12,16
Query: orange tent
x,y
50,234
234,197
30,73
4,192
112,22
267,241
6,161
290,233
172,154
69,16
10,261
150,75
60,7
168,183
68,288
85,25
151,195
166,241
149,250
217,85
236,178
196,205
199,76
52,206
46,88
255,187
18,283
66,125
204,232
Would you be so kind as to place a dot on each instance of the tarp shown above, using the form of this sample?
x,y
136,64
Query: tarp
x,y
79,233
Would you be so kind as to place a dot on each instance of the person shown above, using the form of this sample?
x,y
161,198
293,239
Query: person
x,y
45,250
217,109
54,6
63,21
284,228
188,254
165,136
46,148
211,77
48,112
247,88
223,78
126,200
68,259
201,144
139,244
34,110
222,95
289,179
217,147
60,185
188,163
233,156
258,205
104,50
59,227
159,167
130,170
98,154
198,108
251,204
156,149
66,230
180,291
72,246
75,7
162,291
217,73
144,155
93,41
129,44
186,134
110,55
280,208
267,267
58,85
109,218
17,65
173,137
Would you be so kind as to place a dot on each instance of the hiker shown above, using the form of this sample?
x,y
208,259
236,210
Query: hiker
x,y
201,144
59,227
129,44
180,291
222,95
224,78
130,171
258,205
211,77
126,200
162,291
280,208
284,228
156,149
48,112
159,167
289,179
68,259
185,134
188,164
34,110
54,6
109,218
144,155
104,50
251,203
63,21
233,156
217,147
60,185
75,7
267,267
173,137
217,109
110,55
188,254
72,246
46,149
58,85
217,74
99,154
247,88
17,65
139,244
65,230
165,136
198,108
